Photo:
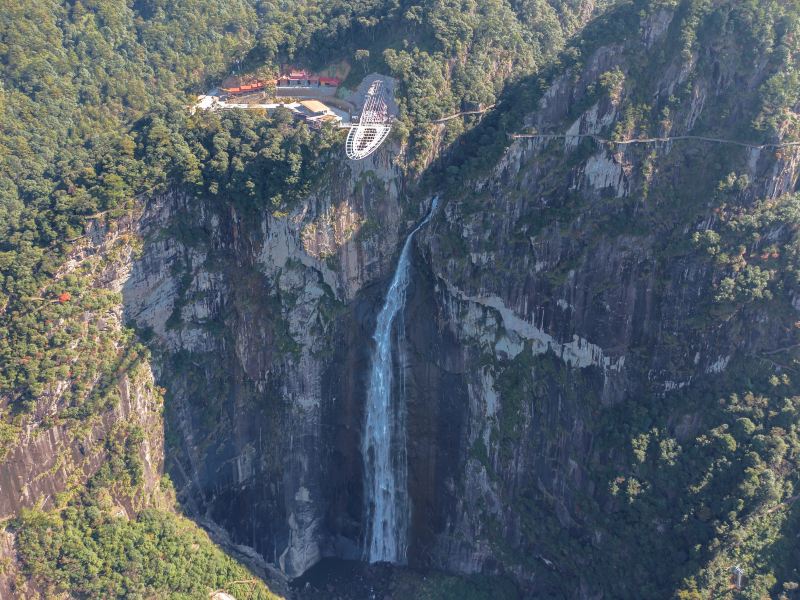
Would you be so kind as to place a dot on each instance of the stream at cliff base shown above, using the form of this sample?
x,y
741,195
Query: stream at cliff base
x,y
383,443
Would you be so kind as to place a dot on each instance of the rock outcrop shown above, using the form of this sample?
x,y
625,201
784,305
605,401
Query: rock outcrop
x,y
546,293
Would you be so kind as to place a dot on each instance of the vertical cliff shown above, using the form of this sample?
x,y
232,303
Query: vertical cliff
x,y
583,332
597,345
261,321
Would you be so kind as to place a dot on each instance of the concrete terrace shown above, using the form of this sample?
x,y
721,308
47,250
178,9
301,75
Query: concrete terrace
x,y
344,109
368,112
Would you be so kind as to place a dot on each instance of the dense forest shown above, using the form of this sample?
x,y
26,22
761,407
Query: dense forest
x,y
92,117
79,144
93,98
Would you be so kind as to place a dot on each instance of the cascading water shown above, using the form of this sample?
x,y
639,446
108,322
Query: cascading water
x,y
384,444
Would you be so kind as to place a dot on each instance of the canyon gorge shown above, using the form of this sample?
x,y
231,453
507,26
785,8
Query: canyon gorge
x,y
564,361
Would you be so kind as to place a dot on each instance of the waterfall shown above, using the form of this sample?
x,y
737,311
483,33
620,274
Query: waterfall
x,y
384,444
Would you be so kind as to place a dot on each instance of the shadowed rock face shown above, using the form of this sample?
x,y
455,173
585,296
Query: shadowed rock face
x,y
263,339
565,284
344,392
438,408
547,293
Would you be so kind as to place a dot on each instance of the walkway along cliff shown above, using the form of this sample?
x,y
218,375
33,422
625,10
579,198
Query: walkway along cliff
x,y
564,356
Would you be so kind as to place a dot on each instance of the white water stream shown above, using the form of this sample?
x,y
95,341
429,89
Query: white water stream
x,y
384,443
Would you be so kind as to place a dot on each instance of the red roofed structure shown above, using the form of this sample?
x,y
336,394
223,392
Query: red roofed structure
x,y
300,77
290,77
239,85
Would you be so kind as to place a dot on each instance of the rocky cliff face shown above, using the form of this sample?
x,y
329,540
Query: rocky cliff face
x,y
563,285
53,456
262,320
548,293
47,457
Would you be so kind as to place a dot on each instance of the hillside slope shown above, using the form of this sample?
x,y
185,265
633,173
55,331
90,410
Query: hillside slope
x,y
93,129
625,316
599,349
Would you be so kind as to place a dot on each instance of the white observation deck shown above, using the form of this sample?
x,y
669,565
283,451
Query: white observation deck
x,y
373,126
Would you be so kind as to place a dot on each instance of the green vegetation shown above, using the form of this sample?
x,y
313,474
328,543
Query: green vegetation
x,y
447,55
93,117
515,388
92,114
76,78
76,150
241,157
756,253
724,492
768,27
91,549
677,486
676,506
90,546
